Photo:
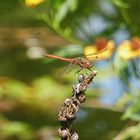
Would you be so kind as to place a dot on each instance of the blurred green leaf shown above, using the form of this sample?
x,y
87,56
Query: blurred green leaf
x,y
121,68
65,7
13,88
17,129
133,110
121,3
135,65
131,133
61,14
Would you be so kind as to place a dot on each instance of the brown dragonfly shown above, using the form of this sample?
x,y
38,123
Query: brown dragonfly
x,y
82,62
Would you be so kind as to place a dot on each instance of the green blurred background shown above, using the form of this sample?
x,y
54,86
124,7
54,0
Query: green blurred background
x,y
31,86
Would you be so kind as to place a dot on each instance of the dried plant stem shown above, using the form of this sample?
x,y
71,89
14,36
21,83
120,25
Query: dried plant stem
x,y
67,112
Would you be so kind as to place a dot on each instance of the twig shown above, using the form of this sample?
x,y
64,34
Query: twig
x,y
67,112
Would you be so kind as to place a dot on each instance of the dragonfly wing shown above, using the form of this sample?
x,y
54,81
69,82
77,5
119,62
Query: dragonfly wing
x,y
101,55
94,58
97,53
67,70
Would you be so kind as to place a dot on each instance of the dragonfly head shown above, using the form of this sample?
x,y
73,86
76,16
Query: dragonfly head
x,y
88,64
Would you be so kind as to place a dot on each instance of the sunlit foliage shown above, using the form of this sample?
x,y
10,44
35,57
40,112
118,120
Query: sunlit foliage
x,y
30,88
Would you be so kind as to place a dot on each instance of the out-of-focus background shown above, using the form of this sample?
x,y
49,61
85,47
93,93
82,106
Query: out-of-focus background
x,y
32,88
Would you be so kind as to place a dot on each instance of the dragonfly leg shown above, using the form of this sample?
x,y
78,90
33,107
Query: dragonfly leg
x,y
89,69
78,70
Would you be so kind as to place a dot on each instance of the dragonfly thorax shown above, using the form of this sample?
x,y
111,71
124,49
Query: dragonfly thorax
x,y
82,62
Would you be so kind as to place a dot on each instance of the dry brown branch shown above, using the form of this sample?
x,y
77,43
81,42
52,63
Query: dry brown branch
x,y
67,112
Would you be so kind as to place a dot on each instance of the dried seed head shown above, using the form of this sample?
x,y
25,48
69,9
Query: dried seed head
x,y
75,136
63,133
81,78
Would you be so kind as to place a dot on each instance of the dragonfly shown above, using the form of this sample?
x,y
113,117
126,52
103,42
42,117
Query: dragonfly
x,y
82,62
